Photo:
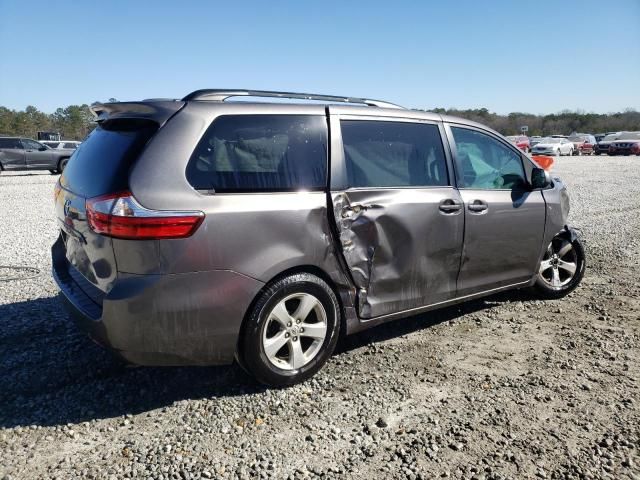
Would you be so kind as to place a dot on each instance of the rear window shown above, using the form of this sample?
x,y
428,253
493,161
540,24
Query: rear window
x,y
102,162
261,153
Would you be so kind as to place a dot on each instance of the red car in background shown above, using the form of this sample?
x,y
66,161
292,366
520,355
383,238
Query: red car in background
x,y
625,147
521,141
583,143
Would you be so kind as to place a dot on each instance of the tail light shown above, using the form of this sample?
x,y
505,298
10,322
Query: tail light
x,y
119,215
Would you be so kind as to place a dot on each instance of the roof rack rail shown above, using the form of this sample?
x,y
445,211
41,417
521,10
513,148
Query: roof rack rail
x,y
220,95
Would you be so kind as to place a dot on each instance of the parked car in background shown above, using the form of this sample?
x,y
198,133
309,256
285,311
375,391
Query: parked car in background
x,y
627,144
603,145
18,153
583,143
599,136
533,141
553,146
62,144
167,269
520,141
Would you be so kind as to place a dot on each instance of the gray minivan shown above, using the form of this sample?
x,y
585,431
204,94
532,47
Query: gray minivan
x,y
203,230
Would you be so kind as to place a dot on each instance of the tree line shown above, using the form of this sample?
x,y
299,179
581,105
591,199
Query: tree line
x,y
563,123
76,121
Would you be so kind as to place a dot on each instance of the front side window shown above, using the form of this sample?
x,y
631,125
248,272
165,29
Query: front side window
x,y
393,154
70,145
261,153
31,145
485,163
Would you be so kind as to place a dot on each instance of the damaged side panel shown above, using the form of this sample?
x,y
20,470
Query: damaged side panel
x,y
402,251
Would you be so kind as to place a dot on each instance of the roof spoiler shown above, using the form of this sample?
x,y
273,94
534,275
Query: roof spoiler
x,y
157,111
220,95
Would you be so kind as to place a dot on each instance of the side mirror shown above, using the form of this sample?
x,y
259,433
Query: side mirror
x,y
42,149
539,178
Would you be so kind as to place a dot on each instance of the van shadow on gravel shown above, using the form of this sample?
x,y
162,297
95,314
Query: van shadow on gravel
x,y
52,374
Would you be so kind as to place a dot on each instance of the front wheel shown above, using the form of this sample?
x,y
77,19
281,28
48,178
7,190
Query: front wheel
x,y
291,331
561,269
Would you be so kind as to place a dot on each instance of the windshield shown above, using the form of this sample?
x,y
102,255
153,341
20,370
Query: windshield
x,y
611,137
629,136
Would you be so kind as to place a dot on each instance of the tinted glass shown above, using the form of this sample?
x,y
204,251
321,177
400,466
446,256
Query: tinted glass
x,y
393,154
30,144
485,163
10,143
249,153
69,145
102,162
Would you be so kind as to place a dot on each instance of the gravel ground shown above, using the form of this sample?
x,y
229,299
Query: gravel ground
x,y
506,387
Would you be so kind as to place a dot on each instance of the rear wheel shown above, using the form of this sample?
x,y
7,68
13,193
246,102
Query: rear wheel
x,y
561,269
62,164
291,331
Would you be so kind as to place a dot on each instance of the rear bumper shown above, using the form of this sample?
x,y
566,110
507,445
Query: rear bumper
x,y
178,319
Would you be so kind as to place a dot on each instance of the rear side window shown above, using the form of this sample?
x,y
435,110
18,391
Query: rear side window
x,y
393,154
102,162
261,153
10,143
69,145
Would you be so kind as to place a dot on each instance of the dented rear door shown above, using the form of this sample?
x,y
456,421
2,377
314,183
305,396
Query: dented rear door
x,y
399,219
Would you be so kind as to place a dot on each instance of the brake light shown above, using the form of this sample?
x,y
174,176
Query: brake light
x,y
119,215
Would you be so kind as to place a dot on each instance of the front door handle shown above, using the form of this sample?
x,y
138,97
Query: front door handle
x,y
450,206
478,206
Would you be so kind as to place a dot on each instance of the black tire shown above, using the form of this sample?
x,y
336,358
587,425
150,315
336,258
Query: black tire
x,y
252,356
62,164
544,289
596,152
53,172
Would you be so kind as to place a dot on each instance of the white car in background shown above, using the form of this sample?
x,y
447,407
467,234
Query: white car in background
x,y
553,146
61,144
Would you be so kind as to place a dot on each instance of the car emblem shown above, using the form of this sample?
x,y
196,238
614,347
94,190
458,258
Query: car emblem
x,y
67,207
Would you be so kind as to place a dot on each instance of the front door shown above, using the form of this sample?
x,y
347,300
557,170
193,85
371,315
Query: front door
x,y
37,155
504,219
399,219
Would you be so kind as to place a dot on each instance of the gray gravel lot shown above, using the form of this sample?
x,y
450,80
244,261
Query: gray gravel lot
x,y
506,387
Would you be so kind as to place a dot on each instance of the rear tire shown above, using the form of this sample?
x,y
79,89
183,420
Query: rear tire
x,y
62,164
561,269
291,330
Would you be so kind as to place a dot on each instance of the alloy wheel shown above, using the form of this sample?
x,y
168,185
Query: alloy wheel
x,y
559,264
294,331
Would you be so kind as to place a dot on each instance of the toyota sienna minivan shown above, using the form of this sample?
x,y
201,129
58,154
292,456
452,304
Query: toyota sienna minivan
x,y
203,230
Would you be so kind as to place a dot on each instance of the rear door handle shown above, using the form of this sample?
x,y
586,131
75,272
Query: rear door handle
x,y
450,206
478,206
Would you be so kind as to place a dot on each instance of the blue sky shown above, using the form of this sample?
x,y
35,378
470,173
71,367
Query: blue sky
x,y
538,56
